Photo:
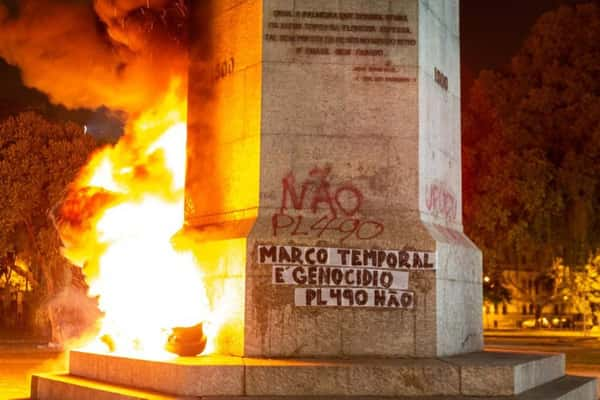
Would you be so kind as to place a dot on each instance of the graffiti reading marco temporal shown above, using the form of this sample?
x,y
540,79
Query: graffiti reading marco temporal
x,y
341,277
334,209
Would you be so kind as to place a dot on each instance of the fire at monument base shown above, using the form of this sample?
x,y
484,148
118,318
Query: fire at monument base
x,y
324,166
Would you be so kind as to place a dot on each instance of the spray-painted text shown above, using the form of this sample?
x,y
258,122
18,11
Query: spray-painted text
x,y
315,207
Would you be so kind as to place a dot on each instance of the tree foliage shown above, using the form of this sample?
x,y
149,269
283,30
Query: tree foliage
x,y
495,292
38,159
580,286
531,149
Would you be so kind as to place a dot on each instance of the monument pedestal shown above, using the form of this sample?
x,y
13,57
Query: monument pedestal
x,y
332,129
324,175
483,375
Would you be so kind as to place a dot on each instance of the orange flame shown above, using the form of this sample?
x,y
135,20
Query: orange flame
x,y
118,222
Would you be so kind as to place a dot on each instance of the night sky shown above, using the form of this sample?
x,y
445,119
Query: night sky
x,y
14,98
491,32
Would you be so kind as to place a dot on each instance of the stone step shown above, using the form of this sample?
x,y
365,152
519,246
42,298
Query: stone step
x,y
185,376
506,373
66,387
475,374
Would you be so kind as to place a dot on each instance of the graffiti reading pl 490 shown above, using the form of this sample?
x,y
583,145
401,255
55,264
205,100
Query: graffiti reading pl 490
x,y
331,208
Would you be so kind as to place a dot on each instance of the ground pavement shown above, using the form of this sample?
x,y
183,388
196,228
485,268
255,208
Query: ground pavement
x,y
19,360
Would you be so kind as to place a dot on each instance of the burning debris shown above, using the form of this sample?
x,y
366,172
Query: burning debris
x,y
118,222
187,341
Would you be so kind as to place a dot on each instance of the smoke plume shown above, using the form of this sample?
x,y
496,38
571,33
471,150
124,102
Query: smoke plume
x,y
120,54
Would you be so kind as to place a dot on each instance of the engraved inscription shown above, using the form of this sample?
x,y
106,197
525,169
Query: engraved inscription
x,y
224,68
340,30
368,38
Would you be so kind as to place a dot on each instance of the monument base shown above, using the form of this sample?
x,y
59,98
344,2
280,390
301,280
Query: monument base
x,y
476,375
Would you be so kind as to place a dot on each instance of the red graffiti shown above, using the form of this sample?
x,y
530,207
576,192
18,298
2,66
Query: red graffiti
x,y
441,202
343,227
345,199
341,204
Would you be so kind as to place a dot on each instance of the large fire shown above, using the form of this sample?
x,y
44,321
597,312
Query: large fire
x,y
117,223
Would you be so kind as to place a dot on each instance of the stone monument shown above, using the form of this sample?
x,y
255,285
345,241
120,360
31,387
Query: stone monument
x,y
324,166
335,129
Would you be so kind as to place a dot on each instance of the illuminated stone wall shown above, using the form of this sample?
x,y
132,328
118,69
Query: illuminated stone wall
x,y
327,134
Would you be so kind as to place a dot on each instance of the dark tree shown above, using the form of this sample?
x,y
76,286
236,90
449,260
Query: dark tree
x,y
531,148
38,159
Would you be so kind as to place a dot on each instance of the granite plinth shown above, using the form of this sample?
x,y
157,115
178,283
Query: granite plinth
x,y
505,373
475,374
66,387
186,376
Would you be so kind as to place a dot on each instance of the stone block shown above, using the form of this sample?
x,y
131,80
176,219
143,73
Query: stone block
x,y
196,376
492,376
338,102
350,377
438,46
447,12
440,199
67,387
458,288
229,376
504,373
565,388
459,325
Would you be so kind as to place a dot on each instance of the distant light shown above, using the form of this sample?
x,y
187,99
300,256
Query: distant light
x,y
85,129
486,279
565,298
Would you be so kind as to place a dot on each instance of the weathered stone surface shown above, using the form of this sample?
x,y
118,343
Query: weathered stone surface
x,y
64,387
503,373
474,374
334,124
217,375
350,377
565,388
224,114
457,290
197,376
67,387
